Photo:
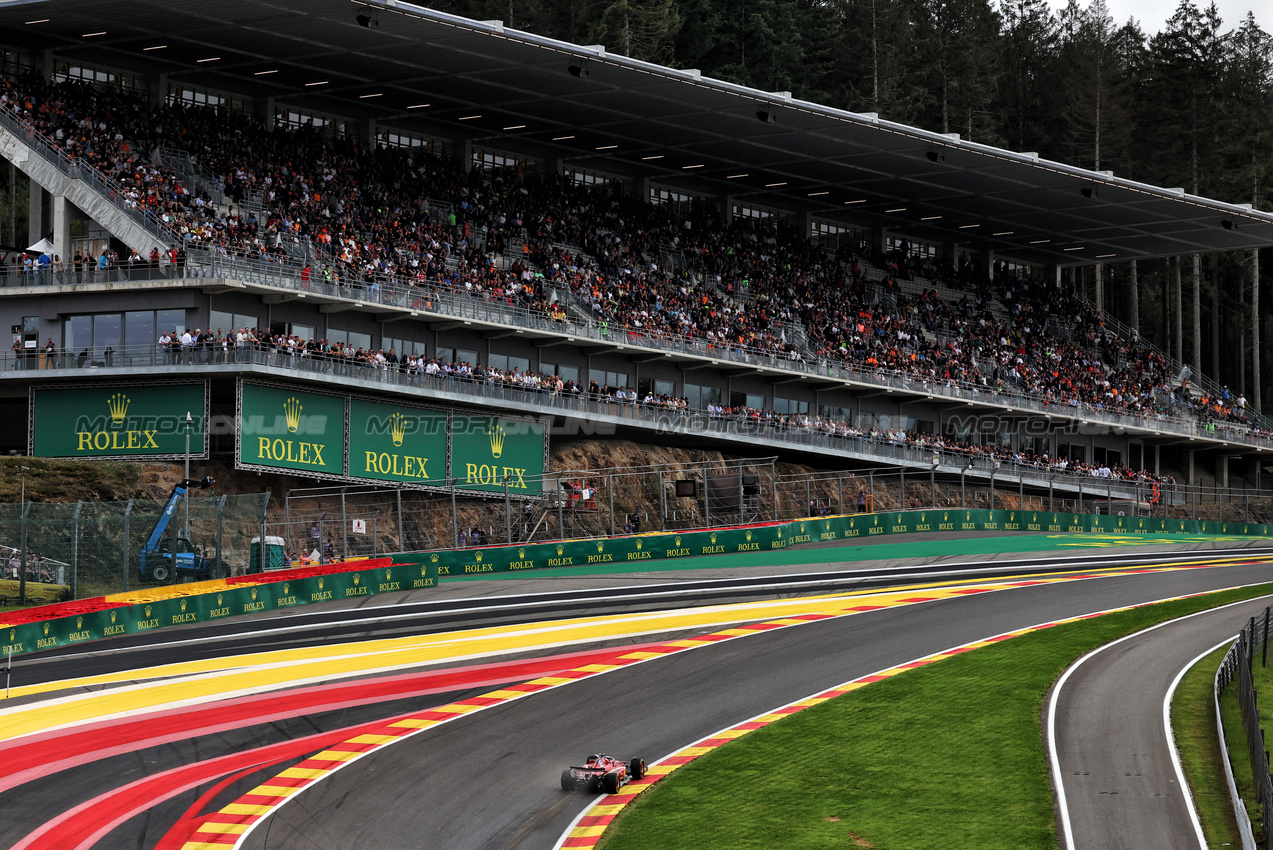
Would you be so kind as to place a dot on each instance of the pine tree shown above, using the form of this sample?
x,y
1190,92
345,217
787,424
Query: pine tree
x,y
1030,41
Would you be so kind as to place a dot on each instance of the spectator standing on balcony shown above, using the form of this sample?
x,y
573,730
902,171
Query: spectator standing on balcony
x,y
50,354
77,265
103,265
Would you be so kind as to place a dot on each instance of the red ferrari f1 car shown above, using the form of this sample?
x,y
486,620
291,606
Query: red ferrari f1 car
x,y
602,773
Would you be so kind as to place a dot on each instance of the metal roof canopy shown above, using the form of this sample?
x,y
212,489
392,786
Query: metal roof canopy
x,y
511,91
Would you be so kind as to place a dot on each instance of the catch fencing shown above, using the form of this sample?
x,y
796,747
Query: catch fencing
x,y
93,547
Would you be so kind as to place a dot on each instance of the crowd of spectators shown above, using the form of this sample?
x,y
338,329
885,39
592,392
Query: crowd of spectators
x,y
351,212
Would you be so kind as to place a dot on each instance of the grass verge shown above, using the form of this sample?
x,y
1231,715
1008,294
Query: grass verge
x,y
1193,721
947,755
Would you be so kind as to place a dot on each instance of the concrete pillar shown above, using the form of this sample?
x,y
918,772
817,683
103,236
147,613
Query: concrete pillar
x,y
726,209
876,238
157,90
1192,480
462,154
38,221
62,212
263,110
367,132
805,223
640,186
1157,460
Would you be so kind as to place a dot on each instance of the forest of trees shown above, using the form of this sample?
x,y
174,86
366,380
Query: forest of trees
x,y
1190,106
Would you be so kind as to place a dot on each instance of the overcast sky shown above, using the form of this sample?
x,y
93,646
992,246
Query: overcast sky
x,y
1153,14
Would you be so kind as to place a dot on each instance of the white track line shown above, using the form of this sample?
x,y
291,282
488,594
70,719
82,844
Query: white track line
x,y
1058,782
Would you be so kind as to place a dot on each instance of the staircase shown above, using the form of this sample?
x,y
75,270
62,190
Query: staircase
x,y
99,197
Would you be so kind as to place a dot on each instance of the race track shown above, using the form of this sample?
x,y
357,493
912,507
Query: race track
x,y
490,779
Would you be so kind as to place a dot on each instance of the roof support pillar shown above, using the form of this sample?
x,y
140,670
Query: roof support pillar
x,y
462,154
726,209
62,212
263,110
38,217
157,89
876,238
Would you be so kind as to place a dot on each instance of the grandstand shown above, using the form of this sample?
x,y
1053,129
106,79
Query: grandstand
x,y
455,216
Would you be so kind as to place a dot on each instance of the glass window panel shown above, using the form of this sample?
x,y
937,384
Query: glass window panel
x,y
108,332
664,387
446,355
499,361
463,355
755,401
220,319
517,364
170,320
79,333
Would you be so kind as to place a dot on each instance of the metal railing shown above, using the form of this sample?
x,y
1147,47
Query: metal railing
x,y
1236,666
431,297
1195,502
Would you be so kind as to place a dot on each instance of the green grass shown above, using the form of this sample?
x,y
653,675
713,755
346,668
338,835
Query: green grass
x,y
1193,721
948,755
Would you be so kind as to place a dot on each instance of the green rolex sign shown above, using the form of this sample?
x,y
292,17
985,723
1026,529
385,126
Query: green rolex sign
x,y
486,451
118,420
394,442
291,429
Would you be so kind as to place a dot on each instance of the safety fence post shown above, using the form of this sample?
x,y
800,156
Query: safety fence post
x,y
75,550
128,512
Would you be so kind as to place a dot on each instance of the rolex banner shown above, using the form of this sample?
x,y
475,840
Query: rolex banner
x,y
607,552
395,442
110,420
487,451
290,429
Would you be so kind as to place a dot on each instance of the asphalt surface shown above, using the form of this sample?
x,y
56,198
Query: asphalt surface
x,y
490,780
1122,791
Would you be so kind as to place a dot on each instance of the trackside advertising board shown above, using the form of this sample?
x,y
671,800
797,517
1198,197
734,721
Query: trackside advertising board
x,y
117,420
486,451
767,538
396,442
284,428
157,608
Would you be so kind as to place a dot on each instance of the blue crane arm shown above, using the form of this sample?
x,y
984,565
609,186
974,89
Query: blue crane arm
x,y
161,524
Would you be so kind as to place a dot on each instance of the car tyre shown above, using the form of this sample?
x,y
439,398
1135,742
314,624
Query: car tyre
x,y
568,782
637,768
612,782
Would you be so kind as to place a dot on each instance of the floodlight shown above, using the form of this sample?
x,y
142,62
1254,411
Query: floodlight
x,y
1089,192
1228,224
367,21
578,71
936,156
765,116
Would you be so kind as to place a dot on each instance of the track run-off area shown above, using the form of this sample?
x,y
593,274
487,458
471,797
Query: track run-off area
x,y
444,719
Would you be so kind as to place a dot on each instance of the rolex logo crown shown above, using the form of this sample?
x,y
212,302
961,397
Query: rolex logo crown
x,y
497,435
118,406
397,428
292,411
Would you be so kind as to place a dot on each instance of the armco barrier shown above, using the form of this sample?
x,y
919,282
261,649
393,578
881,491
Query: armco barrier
x,y
89,619
771,536
69,623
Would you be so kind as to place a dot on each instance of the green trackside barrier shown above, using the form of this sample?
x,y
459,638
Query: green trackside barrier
x,y
224,600
690,544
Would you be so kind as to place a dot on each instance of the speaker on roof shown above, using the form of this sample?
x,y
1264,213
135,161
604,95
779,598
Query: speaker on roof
x,y
578,70
367,21
765,116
